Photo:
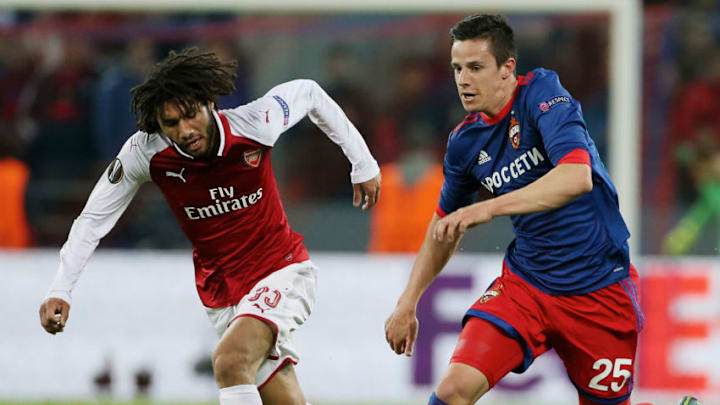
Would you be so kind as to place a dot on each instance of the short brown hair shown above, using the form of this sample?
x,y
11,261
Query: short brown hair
x,y
489,27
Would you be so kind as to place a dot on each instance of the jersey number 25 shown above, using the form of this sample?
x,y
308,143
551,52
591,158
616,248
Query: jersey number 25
x,y
606,366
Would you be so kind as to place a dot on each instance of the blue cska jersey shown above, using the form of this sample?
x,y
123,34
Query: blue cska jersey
x,y
575,249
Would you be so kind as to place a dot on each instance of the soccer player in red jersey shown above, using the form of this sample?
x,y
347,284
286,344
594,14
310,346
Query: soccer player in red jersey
x,y
253,273
567,283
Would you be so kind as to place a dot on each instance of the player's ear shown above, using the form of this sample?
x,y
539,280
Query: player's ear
x,y
508,68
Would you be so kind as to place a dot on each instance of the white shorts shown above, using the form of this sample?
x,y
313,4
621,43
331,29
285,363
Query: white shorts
x,y
283,300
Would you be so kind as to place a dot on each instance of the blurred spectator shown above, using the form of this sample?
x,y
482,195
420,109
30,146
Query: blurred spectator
x,y
62,152
411,191
14,175
64,146
75,120
411,105
312,151
112,120
17,84
701,158
692,145
343,86
227,50
696,40
579,56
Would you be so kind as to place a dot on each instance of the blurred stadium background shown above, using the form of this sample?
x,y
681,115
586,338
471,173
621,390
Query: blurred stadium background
x,y
137,331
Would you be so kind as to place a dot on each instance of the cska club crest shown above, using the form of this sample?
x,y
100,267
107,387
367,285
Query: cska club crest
x,y
252,157
514,133
491,293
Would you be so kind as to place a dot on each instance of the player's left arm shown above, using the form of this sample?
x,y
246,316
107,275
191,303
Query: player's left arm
x,y
287,103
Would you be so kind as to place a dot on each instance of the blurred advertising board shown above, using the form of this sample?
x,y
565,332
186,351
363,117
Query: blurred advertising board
x,y
137,311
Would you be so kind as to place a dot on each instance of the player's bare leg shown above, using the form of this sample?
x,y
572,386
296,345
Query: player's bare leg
x,y
241,350
283,388
462,385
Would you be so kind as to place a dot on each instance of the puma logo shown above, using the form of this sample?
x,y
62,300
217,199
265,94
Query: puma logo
x,y
168,173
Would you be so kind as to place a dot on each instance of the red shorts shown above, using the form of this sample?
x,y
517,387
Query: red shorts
x,y
594,334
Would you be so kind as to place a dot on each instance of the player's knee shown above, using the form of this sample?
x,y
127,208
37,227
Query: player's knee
x,y
233,366
240,352
462,385
449,393
453,392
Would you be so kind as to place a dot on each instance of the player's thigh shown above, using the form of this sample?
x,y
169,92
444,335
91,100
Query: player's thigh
x,y
278,304
247,339
486,348
597,341
504,330
282,388
600,363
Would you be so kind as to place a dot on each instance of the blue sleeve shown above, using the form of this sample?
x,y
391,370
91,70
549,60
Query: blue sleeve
x,y
459,188
557,116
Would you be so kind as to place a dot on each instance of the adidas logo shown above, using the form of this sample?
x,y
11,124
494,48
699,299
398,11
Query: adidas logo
x,y
483,157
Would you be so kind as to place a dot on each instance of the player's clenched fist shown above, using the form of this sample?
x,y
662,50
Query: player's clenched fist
x,y
54,314
401,330
370,189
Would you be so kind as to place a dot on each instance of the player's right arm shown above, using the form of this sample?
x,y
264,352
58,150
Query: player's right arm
x,y
108,200
266,118
401,327
459,190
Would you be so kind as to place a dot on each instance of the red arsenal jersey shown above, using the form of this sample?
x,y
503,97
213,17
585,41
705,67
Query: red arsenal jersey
x,y
228,205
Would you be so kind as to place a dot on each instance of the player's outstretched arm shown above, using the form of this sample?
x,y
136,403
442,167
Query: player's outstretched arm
x,y
284,105
106,203
401,327
556,188
370,189
54,313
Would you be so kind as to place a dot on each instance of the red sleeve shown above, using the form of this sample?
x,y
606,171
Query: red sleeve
x,y
576,156
440,212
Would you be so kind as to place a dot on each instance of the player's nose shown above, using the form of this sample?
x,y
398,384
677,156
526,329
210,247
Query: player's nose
x,y
185,129
462,78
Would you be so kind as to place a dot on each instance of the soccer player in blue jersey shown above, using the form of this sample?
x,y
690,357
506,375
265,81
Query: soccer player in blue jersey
x,y
567,282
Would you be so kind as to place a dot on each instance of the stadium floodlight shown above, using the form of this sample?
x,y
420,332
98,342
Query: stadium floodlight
x,y
625,33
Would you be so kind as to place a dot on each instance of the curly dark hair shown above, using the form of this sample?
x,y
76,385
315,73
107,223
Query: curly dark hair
x,y
490,27
185,78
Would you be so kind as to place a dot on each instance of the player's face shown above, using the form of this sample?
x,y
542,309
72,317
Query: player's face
x,y
194,132
480,82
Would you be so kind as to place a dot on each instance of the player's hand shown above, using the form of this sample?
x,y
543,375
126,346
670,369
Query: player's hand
x,y
54,313
453,226
370,189
401,329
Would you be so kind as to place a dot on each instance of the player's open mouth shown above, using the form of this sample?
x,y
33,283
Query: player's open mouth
x,y
194,145
468,97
